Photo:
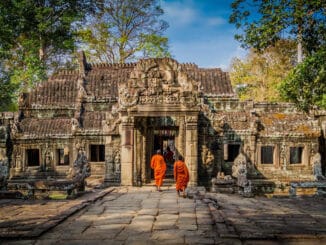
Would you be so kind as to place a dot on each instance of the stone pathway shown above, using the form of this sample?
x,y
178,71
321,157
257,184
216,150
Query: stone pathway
x,y
30,218
288,220
131,215
137,216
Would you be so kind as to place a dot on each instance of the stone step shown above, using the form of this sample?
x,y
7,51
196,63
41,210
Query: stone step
x,y
168,182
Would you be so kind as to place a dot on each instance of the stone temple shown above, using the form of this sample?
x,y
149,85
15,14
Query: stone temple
x,y
120,114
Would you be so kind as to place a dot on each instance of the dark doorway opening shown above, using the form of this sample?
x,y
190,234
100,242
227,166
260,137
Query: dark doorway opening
x,y
166,143
33,157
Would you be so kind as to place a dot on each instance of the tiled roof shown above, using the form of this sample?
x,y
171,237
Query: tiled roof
x,y
45,127
103,79
213,81
101,82
60,90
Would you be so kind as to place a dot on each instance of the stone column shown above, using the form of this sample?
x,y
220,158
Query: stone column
x,y
191,149
143,158
277,156
138,152
180,139
148,150
127,142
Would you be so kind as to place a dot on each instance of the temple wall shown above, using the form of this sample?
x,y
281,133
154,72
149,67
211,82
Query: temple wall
x,y
253,126
114,111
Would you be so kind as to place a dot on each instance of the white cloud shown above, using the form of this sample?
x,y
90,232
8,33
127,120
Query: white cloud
x,y
183,13
177,14
216,21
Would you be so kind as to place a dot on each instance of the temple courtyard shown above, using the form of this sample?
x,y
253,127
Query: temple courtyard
x,y
141,215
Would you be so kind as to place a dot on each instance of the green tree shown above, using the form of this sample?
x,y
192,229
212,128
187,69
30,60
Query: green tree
x,y
7,93
36,37
306,84
121,30
265,22
258,75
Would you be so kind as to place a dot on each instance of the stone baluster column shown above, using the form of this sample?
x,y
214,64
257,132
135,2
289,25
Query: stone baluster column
x,y
127,149
191,156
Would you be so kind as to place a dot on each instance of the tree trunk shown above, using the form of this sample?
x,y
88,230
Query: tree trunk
x,y
41,51
299,46
300,27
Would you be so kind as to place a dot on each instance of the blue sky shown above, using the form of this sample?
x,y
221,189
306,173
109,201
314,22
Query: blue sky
x,y
199,32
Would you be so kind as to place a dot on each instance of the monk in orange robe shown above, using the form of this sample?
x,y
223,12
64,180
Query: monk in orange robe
x,y
159,166
181,176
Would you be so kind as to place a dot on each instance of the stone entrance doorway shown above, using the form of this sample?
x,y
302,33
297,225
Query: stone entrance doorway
x,y
151,134
141,135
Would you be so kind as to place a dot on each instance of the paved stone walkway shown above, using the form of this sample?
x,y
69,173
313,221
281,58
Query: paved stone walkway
x,y
296,220
130,215
30,218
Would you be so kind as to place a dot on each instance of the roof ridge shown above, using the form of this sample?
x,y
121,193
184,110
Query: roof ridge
x,y
112,65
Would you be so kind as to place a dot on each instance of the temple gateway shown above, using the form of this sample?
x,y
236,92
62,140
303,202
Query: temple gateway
x,y
120,114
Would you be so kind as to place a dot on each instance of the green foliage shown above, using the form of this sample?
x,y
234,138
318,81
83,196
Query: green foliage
x,y
306,84
121,30
7,93
258,75
154,46
265,22
36,37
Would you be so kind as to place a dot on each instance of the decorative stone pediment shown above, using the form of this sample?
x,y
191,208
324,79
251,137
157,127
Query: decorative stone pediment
x,y
158,82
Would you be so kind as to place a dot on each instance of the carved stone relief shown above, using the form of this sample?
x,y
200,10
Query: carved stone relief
x,y
157,83
112,120
217,121
283,155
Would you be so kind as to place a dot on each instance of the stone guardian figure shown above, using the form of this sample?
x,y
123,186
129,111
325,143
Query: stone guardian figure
x,y
316,167
240,171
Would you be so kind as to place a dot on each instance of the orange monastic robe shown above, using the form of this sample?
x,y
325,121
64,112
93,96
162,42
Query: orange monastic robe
x,y
181,175
159,166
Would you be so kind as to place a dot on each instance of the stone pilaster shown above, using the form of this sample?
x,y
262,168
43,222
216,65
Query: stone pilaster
x,y
127,149
191,149
143,159
181,137
138,153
